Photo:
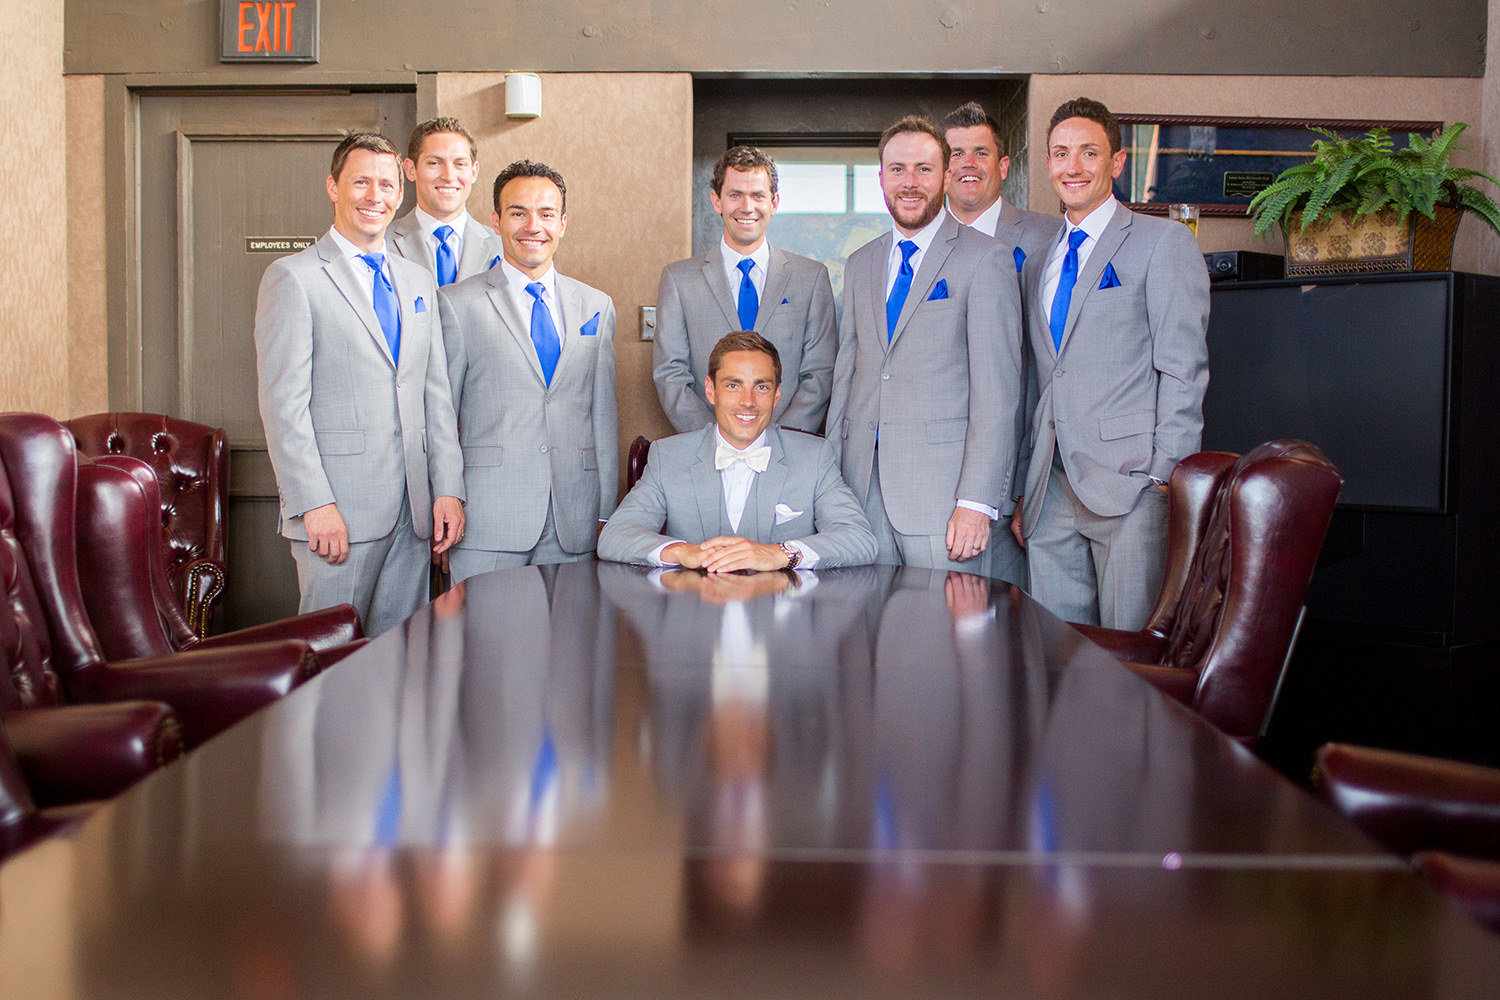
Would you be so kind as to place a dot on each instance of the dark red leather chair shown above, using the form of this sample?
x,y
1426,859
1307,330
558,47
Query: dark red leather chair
x,y
1444,812
1242,541
125,587
22,822
191,463
635,460
208,689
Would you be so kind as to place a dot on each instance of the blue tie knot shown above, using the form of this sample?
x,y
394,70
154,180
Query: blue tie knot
x,y
907,249
1076,238
442,233
745,266
375,260
536,288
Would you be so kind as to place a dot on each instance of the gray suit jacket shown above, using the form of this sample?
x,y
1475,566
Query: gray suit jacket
x,y
695,307
1123,399
523,441
1029,232
481,245
344,424
944,392
681,494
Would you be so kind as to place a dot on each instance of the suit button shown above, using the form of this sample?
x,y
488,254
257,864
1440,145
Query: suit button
x,y
398,432
885,376
1057,373
872,425
1051,425
544,449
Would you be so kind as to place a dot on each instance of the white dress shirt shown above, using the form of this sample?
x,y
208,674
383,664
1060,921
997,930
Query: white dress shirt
x,y
989,219
361,269
455,238
922,238
515,284
732,273
1093,226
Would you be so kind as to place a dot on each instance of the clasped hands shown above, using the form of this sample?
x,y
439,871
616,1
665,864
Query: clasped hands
x,y
725,554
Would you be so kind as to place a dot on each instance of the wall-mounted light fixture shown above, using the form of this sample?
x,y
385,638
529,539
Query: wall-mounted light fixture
x,y
523,95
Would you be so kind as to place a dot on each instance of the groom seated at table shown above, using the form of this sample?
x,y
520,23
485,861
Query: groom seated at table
x,y
740,494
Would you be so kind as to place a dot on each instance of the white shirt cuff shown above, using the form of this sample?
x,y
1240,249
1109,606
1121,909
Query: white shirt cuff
x,y
993,513
655,554
809,557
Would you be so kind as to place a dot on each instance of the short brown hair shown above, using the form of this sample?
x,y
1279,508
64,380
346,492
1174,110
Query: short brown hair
x,y
527,168
373,141
745,159
1083,107
914,123
742,340
971,115
438,126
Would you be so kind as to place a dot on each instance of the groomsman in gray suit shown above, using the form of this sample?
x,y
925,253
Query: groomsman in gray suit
x,y
1118,312
740,493
355,400
744,283
531,356
440,234
928,380
976,165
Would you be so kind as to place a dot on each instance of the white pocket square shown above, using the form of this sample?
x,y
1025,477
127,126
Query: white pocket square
x,y
785,513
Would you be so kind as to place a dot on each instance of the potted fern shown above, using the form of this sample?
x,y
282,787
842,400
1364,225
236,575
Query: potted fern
x,y
1361,205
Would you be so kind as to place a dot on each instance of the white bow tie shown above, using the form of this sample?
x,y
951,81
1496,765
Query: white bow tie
x,y
756,458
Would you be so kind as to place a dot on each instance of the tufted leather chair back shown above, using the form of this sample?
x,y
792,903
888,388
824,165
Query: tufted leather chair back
x,y
1242,576
191,463
38,463
30,680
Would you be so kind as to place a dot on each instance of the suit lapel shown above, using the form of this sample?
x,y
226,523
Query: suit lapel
x,y
1036,312
347,280
406,302
476,243
926,276
518,326
713,273
766,488
706,486
570,304
879,265
777,275
1088,279
1008,227
407,235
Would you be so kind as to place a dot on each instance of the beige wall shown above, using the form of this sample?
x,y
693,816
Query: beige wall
x,y
623,143
88,324
1391,98
33,254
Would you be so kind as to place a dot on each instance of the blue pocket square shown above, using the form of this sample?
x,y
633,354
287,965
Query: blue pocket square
x,y
1020,259
590,328
419,305
784,302
939,290
1110,279
493,261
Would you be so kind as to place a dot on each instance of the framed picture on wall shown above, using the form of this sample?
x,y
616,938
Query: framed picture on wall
x,y
1219,164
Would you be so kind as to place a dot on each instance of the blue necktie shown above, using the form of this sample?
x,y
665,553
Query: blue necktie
x,y
386,308
447,266
749,304
900,289
1058,319
543,332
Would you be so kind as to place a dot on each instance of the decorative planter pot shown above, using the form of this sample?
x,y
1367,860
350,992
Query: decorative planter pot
x,y
1372,244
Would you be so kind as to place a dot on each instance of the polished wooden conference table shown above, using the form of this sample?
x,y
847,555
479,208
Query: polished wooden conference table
x,y
598,781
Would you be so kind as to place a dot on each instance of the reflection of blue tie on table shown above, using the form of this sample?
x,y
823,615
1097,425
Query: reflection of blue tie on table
x,y
543,332
388,813
1058,320
900,289
447,267
749,304
386,308
542,791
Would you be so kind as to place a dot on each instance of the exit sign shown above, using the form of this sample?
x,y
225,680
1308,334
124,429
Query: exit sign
x,y
269,31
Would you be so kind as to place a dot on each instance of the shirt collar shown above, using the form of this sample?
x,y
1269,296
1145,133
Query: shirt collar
x,y
923,237
349,249
517,279
989,219
732,257
1095,222
719,439
429,224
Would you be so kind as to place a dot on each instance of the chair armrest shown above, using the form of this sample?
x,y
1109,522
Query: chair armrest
x,y
1175,682
1137,647
199,585
209,689
1412,803
1471,883
81,753
328,657
322,630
